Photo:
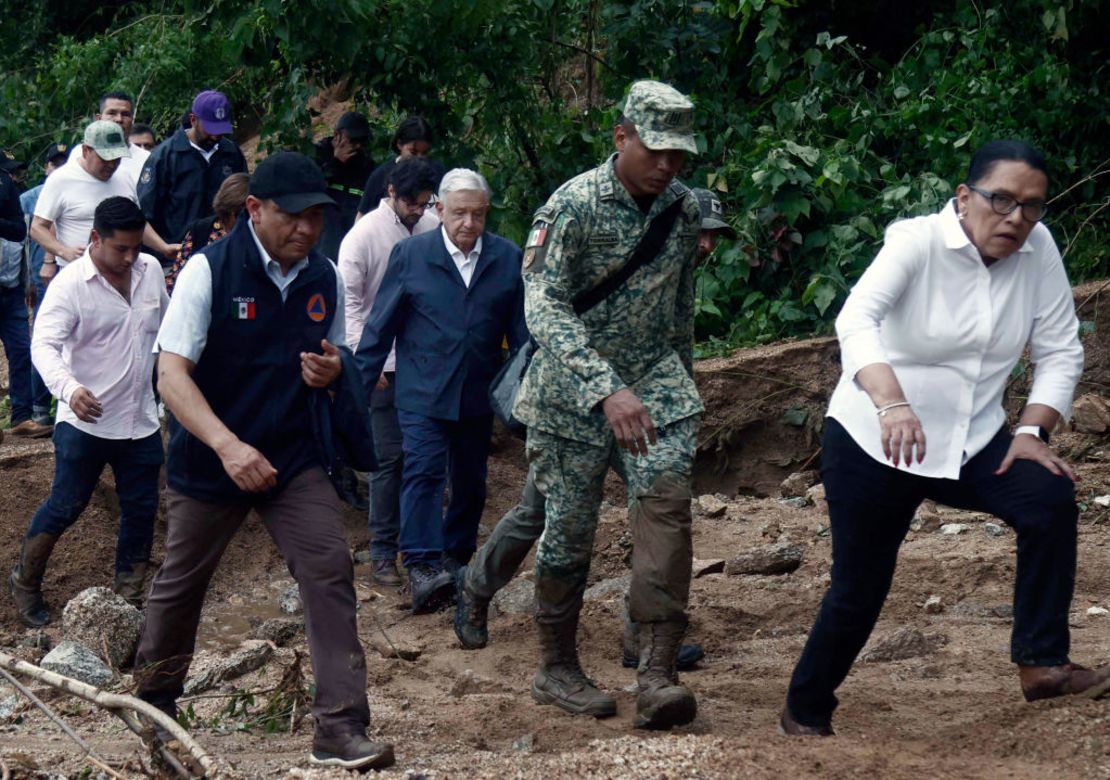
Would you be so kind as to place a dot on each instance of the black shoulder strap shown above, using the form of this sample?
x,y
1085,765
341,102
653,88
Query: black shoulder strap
x,y
646,251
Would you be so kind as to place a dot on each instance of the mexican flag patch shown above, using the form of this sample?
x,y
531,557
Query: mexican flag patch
x,y
242,310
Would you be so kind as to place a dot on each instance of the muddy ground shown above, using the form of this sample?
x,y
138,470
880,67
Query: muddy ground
x,y
953,711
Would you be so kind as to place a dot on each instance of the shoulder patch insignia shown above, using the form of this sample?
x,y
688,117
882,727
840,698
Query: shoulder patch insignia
x,y
538,235
317,309
145,178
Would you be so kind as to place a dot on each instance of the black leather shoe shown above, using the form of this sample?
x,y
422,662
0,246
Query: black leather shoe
x,y
431,588
384,572
471,615
788,727
351,751
688,657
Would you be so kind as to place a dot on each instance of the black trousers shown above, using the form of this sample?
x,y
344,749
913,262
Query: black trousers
x,y
871,505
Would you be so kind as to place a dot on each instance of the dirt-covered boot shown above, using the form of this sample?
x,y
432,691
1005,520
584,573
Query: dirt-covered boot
x,y
129,585
561,681
662,702
471,614
25,581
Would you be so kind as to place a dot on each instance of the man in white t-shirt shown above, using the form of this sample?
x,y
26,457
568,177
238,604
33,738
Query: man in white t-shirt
x,y
64,212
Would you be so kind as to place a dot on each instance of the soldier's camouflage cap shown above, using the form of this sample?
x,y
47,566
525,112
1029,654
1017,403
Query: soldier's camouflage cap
x,y
663,116
713,213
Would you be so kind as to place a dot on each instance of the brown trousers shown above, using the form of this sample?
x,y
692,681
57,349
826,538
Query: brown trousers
x,y
304,521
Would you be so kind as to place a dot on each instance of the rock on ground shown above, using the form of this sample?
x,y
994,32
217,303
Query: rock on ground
x,y
516,598
767,559
710,505
209,669
702,567
607,589
1090,414
904,642
280,631
798,483
102,621
290,601
79,662
469,683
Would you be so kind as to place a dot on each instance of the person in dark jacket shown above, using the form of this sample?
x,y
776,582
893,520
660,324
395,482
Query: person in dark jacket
x,y
346,168
252,335
184,172
413,138
449,298
229,201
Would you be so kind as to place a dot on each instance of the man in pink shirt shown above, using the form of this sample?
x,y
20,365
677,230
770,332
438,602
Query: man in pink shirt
x,y
363,257
93,344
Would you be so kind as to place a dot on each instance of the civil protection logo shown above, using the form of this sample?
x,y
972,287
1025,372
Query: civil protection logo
x,y
317,309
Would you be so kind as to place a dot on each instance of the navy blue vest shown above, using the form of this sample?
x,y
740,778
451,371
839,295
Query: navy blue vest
x,y
250,370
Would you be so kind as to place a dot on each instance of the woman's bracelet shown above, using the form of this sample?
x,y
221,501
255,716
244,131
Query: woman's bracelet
x,y
882,410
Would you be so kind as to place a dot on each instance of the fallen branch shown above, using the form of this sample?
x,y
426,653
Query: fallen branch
x,y
114,702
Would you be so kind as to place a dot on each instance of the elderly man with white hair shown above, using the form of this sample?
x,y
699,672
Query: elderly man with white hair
x,y
450,297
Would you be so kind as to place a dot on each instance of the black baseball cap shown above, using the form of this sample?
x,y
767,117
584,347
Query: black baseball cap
x,y
292,181
9,163
54,152
355,125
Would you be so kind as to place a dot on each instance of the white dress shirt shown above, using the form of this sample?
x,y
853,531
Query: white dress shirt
x,y
465,263
184,330
87,335
953,330
363,258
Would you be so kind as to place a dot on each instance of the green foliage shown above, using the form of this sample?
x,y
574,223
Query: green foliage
x,y
818,123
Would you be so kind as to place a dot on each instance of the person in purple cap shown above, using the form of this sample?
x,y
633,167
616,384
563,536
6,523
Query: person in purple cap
x,y
185,171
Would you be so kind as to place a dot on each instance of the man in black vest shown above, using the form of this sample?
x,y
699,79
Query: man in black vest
x,y
251,334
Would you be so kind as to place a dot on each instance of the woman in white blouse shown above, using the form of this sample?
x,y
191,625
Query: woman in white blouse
x,y
929,337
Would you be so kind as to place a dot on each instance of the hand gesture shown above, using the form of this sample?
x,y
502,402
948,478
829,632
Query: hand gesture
x,y
71,253
631,422
901,432
85,405
321,370
248,467
1029,447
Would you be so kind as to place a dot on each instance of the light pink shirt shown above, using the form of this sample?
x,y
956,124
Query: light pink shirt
x,y
87,335
363,258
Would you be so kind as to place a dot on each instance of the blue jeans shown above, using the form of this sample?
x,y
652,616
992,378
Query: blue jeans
x,y
871,505
40,394
79,459
385,482
16,337
438,451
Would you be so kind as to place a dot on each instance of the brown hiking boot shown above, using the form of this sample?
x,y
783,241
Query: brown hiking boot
x,y
1047,682
25,581
32,430
129,585
662,702
561,681
384,572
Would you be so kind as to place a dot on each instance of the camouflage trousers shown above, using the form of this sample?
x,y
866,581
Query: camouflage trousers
x,y
571,475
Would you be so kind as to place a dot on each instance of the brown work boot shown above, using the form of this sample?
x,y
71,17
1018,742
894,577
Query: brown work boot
x,y
561,681
25,581
1048,682
662,702
32,430
129,585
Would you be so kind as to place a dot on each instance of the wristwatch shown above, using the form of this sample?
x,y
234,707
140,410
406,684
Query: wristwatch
x,y
1032,430
49,262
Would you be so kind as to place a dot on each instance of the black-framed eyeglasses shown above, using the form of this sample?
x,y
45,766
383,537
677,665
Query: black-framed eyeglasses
x,y
1031,211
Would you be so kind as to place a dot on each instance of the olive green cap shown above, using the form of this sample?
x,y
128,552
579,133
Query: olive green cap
x,y
663,116
713,213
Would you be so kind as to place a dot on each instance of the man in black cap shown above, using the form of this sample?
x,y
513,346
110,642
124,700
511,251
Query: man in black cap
x,y
248,344
346,168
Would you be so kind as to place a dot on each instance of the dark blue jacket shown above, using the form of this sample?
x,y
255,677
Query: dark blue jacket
x,y
449,336
250,370
176,186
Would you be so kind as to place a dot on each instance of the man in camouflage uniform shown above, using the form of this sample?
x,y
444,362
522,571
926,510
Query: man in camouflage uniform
x,y
499,559
614,387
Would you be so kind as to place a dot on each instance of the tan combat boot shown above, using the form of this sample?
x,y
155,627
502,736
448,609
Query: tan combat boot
x,y
25,582
129,585
662,702
561,681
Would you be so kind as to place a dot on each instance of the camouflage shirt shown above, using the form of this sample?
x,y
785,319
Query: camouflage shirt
x,y
640,337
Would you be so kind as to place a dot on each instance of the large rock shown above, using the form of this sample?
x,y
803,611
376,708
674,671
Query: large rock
x,y
280,631
607,589
768,559
798,483
102,621
209,669
79,662
904,642
516,598
1090,414
711,506
290,601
